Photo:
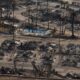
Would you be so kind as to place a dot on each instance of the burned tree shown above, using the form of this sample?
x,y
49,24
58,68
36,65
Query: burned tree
x,y
73,15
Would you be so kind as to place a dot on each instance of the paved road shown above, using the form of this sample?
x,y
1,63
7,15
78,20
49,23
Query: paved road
x,y
25,65
28,65
29,38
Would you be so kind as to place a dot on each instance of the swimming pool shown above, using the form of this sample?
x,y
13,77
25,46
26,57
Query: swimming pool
x,y
36,31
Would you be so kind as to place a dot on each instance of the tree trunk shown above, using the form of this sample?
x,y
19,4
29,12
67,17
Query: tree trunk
x,y
72,24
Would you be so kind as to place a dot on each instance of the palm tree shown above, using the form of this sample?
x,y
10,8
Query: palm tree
x,y
37,11
1,21
47,63
67,4
13,28
64,4
8,9
48,12
0,14
29,11
61,2
73,15
15,59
